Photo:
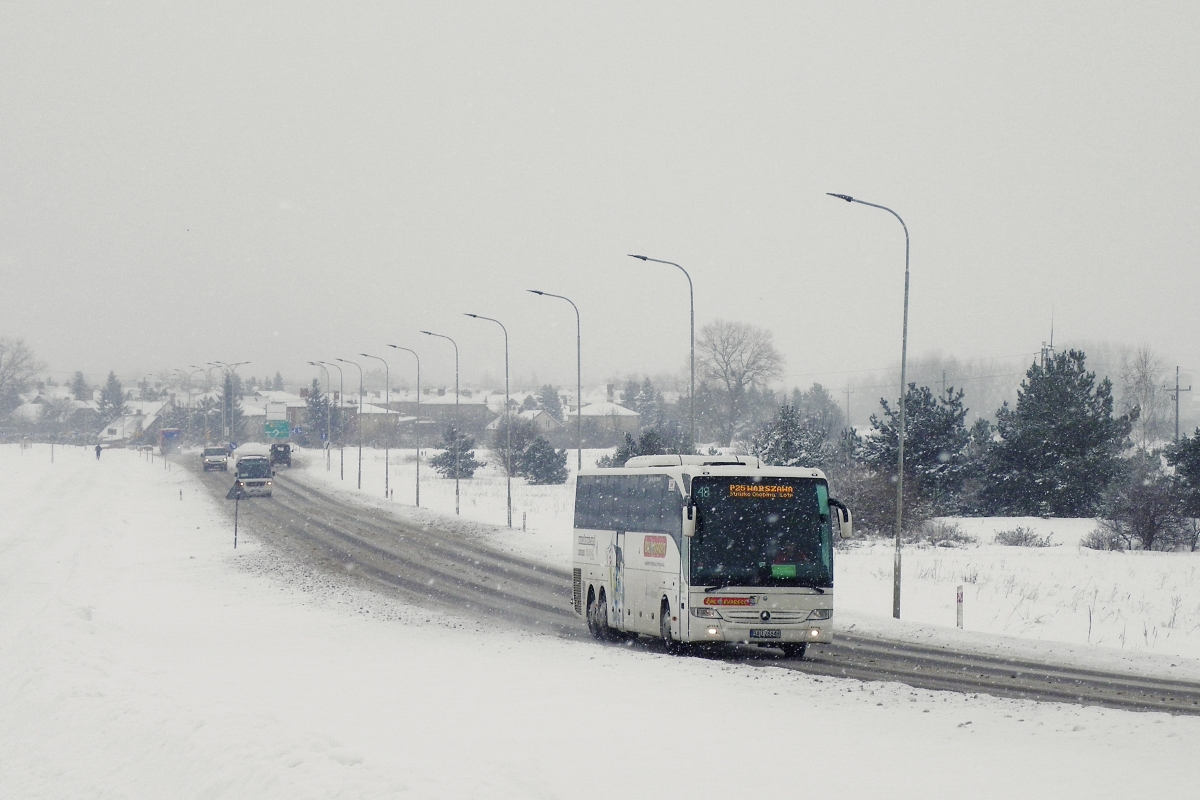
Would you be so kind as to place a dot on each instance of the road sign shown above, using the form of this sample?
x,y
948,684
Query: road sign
x,y
297,431
276,429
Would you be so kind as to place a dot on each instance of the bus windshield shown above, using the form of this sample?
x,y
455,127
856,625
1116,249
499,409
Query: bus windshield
x,y
760,531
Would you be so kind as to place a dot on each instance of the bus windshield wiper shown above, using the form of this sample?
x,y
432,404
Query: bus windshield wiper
x,y
815,588
719,587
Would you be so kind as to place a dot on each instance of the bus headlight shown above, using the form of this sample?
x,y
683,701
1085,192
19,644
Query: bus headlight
x,y
814,633
821,613
706,613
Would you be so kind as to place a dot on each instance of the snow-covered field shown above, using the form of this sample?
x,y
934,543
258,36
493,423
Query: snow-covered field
x,y
1099,601
141,656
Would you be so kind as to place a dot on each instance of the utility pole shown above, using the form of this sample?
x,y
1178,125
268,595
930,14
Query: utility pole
x,y
849,392
1177,391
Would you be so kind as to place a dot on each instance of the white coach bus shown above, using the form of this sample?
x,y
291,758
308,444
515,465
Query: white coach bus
x,y
706,549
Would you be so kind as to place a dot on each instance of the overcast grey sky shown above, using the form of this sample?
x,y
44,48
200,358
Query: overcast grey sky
x,y
278,182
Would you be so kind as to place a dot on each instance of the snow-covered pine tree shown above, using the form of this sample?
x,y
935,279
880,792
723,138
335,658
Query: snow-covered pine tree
x,y
541,464
789,441
936,443
455,442
1059,447
112,399
549,401
79,387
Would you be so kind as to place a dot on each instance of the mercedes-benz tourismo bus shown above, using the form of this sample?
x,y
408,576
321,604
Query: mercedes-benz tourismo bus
x,y
707,549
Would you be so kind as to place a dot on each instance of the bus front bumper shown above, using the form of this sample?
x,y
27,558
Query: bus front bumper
x,y
721,631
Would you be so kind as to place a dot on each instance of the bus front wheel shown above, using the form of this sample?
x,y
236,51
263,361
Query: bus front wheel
x,y
794,649
664,628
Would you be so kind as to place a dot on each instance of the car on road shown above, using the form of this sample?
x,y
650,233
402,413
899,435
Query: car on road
x,y
214,458
253,476
281,454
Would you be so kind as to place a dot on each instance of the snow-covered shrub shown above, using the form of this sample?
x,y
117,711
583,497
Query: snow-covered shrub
x,y
1023,537
1101,539
940,533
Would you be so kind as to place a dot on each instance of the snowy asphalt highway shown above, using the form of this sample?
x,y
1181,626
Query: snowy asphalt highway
x,y
451,572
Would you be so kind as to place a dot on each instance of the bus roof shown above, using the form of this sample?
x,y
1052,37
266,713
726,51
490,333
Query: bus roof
x,y
712,467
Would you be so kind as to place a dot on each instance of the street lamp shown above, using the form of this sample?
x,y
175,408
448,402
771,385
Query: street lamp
x,y
188,376
903,390
692,307
328,431
360,414
507,419
418,423
230,369
456,431
578,376
207,389
387,410
341,420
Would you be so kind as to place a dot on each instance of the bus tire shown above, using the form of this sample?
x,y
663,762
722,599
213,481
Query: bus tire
x,y
794,649
590,615
604,631
664,627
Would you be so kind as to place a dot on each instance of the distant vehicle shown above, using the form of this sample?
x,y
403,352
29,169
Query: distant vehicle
x,y
281,454
169,440
254,475
214,458
707,549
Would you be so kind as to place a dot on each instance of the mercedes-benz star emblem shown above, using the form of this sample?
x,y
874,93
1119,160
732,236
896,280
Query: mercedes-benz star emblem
x,y
765,616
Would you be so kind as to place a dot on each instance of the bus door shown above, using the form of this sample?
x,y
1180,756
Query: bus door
x,y
619,582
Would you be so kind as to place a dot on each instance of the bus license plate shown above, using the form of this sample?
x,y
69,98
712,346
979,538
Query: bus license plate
x,y
766,633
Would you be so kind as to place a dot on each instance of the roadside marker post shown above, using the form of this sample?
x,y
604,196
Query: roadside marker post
x,y
960,606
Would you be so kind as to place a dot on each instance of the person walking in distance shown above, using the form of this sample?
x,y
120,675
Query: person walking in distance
x,y
98,449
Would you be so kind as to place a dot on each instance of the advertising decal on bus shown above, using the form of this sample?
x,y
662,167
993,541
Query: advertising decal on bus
x,y
654,547
729,601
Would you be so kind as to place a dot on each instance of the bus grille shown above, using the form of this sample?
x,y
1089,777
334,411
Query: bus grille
x,y
753,618
577,590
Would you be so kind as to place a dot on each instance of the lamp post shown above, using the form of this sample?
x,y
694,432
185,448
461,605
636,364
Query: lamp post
x,y
418,423
230,369
903,391
456,431
578,376
328,430
692,311
341,420
360,414
188,376
207,389
507,419
387,411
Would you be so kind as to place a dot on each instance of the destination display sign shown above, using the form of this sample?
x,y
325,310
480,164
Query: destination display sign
x,y
761,491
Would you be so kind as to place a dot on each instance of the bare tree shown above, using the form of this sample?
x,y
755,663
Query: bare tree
x,y
1142,387
735,358
18,368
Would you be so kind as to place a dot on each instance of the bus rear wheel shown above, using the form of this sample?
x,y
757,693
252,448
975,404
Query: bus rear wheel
x,y
598,619
794,649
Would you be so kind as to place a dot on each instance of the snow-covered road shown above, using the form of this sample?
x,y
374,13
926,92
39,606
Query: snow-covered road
x,y
140,656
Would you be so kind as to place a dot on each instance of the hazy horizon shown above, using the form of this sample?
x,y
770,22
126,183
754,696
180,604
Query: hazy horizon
x,y
285,182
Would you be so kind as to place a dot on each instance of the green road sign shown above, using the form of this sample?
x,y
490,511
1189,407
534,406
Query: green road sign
x,y
276,429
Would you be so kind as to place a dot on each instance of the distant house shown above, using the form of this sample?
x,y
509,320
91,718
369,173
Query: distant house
x,y
142,419
546,424
610,416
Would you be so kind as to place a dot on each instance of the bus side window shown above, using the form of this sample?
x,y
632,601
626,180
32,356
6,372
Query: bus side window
x,y
585,502
639,504
607,507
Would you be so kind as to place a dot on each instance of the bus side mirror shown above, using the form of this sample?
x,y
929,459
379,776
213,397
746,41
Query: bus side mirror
x,y
690,507
844,517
